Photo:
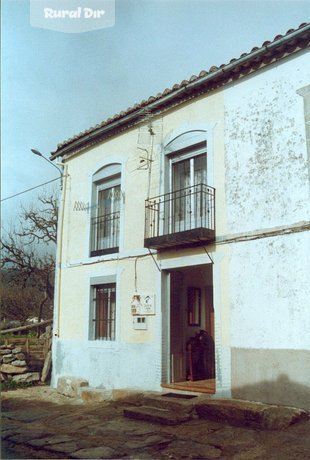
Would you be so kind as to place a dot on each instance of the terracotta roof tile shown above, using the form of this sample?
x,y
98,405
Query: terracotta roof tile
x,y
213,69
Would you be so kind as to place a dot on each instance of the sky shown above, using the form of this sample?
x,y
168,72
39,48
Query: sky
x,y
57,84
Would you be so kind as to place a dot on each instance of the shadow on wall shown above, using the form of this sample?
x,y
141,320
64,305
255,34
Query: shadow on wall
x,y
282,391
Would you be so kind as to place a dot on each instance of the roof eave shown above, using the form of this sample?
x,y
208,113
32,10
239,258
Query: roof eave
x,y
196,86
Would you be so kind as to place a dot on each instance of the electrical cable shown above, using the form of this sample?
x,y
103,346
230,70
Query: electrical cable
x,y
29,189
136,277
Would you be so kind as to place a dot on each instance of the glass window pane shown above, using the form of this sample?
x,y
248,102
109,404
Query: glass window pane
x,y
200,169
105,224
181,174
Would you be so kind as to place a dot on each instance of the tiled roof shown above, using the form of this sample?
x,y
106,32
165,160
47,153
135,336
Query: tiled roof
x,y
281,46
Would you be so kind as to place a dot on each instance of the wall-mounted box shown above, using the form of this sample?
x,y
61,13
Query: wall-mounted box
x,y
140,322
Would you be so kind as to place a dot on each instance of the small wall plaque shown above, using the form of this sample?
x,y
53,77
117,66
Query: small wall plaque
x,y
143,304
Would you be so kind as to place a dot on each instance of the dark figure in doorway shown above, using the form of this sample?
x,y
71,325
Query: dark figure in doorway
x,y
200,356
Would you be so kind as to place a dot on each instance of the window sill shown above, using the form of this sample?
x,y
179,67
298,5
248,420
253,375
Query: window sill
x,y
101,252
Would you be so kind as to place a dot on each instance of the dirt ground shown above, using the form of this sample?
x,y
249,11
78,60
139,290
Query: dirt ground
x,y
40,423
40,393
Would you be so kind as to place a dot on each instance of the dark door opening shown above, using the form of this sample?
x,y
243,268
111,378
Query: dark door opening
x,y
192,354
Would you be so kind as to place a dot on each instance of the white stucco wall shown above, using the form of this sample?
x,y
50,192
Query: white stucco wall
x,y
270,292
121,366
134,359
265,148
257,160
267,189
267,192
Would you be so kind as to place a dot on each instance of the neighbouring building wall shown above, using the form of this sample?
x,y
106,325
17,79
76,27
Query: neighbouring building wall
x,y
267,206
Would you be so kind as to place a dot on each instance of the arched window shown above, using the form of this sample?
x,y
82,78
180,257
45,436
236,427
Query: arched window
x,y
105,218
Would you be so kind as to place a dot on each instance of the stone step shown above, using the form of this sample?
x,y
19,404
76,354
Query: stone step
x,y
94,395
156,415
176,403
248,413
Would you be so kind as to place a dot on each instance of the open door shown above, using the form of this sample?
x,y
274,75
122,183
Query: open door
x,y
192,353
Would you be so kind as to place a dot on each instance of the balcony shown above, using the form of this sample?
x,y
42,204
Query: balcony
x,y
105,234
181,218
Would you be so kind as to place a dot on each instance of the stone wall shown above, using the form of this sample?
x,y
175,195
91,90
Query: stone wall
x,y
26,360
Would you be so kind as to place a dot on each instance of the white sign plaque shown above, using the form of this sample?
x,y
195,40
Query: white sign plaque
x,y
143,304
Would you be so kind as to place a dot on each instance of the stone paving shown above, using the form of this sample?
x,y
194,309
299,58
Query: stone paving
x,y
50,426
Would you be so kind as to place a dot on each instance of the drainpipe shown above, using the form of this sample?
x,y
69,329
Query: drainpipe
x,y
58,273
305,94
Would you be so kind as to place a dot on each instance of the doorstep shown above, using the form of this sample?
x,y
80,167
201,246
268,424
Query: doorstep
x,y
207,387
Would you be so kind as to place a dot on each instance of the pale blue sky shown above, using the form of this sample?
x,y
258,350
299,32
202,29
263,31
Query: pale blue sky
x,y
55,85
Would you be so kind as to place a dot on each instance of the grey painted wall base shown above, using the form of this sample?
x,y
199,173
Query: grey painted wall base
x,y
108,365
272,376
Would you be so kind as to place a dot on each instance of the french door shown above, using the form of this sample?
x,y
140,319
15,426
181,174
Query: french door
x,y
188,203
108,213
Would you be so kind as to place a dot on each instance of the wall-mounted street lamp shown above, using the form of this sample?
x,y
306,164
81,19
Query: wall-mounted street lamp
x,y
36,152
58,272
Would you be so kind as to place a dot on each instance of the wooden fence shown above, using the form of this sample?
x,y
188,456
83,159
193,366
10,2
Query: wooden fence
x,y
37,326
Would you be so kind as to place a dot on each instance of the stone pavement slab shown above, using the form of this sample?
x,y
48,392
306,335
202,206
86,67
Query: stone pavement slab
x,y
76,430
146,441
178,450
153,414
96,452
63,448
25,436
46,441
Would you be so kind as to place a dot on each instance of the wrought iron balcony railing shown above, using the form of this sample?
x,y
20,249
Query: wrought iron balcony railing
x,y
105,234
181,217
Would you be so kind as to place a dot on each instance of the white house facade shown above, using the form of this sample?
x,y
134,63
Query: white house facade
x,y
183,240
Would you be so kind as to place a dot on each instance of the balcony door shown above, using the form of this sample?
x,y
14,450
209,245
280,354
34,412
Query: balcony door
x,y
188,175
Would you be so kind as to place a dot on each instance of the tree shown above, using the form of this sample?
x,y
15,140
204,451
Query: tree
x,y
41,224
17,304
28,260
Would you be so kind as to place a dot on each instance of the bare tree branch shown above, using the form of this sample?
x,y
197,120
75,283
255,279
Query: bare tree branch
x,y
40,224
28,258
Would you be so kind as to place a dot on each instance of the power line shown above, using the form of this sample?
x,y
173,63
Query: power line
x,y
29,189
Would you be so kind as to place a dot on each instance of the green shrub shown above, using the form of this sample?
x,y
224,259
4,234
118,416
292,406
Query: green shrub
x,y
10,384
